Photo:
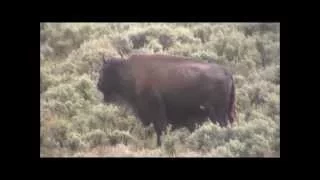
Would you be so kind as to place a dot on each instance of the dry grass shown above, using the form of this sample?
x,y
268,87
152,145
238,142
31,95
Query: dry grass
x,y
121,150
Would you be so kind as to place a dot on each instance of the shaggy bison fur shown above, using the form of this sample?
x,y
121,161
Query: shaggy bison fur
x,y
174,90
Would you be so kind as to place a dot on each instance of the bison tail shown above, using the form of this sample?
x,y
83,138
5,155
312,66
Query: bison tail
x,y
232,104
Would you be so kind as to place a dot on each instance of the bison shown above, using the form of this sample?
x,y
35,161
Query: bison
x,y
165,89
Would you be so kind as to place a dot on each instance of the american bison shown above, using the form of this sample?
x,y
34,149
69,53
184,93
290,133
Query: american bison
x,y
164,89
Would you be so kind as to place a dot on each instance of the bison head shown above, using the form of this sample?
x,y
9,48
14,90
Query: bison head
x,y
108,83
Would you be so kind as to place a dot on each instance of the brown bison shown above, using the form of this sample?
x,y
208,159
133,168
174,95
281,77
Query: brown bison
x,y
174,90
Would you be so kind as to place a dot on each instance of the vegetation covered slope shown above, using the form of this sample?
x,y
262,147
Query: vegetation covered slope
x,y
74,121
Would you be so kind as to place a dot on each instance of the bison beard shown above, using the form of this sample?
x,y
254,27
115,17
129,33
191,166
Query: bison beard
x,y
172,90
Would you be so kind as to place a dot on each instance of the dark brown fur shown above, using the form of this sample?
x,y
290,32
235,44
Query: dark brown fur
x,y
166,90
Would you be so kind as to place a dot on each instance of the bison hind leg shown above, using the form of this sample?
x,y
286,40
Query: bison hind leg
x,y
217,115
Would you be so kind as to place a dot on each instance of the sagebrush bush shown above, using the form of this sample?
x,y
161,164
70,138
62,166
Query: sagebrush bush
x,y
185,36
76,122
239,80
182,49
75,142
80,123
139,40
60,40
169,145
202,138
271,74
87,89
120,137
205,55
89,56
203,33
250,29
236,148
155,46
57,131
96,137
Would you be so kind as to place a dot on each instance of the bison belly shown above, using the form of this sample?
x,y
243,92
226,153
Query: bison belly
x,y
180,117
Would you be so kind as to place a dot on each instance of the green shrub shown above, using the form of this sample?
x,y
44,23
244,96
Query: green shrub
x,y
250,29
143,133
139,39
86,88
169,145
166,41
206,137
236,148
44,82
257,146
155,46
185,36
271,74
205,55
63,99
273,104
182,49
75,142
105,117
203,33
62,93
122,45
65,67
239,80
60,39
246,68
223,151
168,141
89,56
120,137
80,123
275,144
57,131
243,101
96,137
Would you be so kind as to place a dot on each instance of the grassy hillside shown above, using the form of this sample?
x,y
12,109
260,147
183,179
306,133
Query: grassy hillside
x,y
74,122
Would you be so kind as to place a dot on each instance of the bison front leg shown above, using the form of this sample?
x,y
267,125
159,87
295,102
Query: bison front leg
x,y
154,111
160,124
160,118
